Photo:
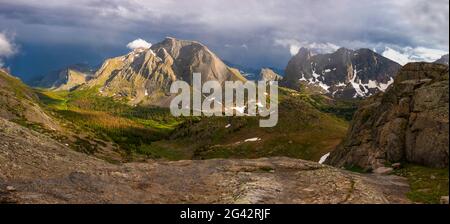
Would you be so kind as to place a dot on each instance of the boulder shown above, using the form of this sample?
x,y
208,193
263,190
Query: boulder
x,y
396,165
383,170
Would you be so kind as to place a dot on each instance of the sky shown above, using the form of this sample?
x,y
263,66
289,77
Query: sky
x,y
37,36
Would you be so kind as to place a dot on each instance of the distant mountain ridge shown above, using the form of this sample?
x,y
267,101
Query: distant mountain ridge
x,y
67,78
253,73
248,72
443,60
342,74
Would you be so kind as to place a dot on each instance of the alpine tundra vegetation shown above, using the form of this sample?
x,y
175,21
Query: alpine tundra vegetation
x,y
247,102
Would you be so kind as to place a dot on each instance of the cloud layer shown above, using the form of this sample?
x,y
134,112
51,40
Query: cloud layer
x,y
7,47
317,48
408,54
259,25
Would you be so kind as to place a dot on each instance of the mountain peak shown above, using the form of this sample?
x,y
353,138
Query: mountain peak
x,y
343,50
304,52
343,74
365,50
169,40
175,41
145,77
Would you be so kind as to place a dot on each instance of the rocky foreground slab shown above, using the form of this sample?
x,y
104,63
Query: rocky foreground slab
x,y
36,169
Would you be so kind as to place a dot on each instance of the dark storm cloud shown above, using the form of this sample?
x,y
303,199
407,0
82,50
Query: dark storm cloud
x,y
268,28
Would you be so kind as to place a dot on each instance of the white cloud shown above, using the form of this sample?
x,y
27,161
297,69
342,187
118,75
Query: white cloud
x,y
7,47
409,54
138,43
293,45
293,49
395,56
316,48
233,46
321,48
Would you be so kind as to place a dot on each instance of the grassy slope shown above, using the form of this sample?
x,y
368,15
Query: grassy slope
x,y
14,95
130,128
19,103
302,132
427,184
14,85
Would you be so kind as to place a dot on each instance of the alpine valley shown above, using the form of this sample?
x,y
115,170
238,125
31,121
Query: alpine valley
x,y
354,127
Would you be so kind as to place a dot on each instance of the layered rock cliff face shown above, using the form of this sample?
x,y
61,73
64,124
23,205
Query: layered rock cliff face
x,y
409,122
343,74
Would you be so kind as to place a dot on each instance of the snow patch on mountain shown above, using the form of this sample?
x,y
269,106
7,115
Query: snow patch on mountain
x,y
317,79
324,158
361,89
357,86
252,139
384,86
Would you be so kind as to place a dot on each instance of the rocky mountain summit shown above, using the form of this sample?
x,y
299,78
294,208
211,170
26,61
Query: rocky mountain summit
x,y
407,123
37,169
343,74
144,75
